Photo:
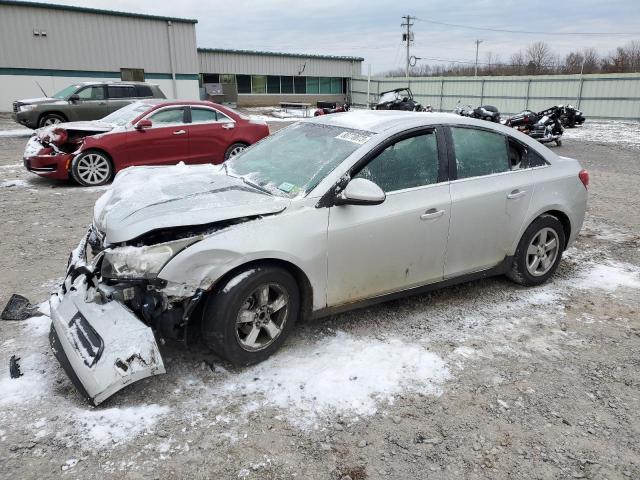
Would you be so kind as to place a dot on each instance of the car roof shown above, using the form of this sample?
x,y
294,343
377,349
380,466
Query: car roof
x,y
167,102
378,121
110,82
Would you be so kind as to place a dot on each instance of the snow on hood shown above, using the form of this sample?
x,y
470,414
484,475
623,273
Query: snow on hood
x,y
88,126
143,199
41,101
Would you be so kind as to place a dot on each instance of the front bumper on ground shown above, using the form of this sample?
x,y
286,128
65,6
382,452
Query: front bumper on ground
x,y
103,347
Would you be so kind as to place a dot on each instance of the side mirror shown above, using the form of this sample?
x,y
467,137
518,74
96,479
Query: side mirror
x,y
144,124
361,191
74,98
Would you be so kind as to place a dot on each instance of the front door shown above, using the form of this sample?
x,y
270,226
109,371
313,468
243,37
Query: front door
x,y
489,201
400,243
92,104
165,143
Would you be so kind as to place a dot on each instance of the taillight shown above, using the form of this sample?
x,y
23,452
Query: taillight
x,y
584,178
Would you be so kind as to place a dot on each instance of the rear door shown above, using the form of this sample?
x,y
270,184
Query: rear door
x,y
401,243
119,95
165,143
210,134
489,199
91,106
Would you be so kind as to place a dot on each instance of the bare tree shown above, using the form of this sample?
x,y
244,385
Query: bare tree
x,y
539,57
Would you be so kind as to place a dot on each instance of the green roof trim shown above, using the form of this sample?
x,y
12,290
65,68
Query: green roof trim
x,y
53,6
278,54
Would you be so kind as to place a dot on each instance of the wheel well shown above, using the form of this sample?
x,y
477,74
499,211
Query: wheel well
x,y
306,291
44,114
564,220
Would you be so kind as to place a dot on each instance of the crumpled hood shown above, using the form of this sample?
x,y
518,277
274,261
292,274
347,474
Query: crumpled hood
x,y
86,126
143,199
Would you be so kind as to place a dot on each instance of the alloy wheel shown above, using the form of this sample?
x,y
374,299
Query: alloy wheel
x,y
262,317
542,252
51,121
93,169
236,150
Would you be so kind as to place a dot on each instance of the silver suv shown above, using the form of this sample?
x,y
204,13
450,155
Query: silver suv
x,y
81,101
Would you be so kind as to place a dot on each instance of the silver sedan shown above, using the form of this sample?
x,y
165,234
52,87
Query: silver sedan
x,y
327,215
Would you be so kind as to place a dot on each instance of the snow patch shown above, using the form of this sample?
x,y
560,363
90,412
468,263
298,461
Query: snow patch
x,y
616,132
343,374
32,385
16,132
117,425
609,276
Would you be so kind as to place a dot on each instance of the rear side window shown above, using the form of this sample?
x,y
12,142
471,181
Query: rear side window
x,y
200,115
479,152
409,163
121,91
521,156
143,91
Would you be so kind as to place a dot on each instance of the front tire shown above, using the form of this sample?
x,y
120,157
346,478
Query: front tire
x,y
539,252
233,150
92,168
51,119
251,314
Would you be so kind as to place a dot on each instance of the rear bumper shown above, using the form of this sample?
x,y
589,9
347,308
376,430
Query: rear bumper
x,y
102,346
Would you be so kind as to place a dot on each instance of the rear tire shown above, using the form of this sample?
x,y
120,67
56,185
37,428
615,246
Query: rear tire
x,y
234,150
92,168
51,119
251,314
539,252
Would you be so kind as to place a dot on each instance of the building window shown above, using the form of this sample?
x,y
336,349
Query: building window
x,y
227,78
325,85
300,85
244,83
132,74
336,85
258,84
211,78
273,84
286,84
312,85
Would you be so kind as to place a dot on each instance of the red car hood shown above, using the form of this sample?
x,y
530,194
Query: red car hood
x,y
59,133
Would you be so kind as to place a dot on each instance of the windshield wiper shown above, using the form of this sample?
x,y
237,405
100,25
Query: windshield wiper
x,y
256,186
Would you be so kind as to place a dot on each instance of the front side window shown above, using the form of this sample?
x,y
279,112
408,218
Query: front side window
x,y
92,93
412,162
479,152
168,116
295,159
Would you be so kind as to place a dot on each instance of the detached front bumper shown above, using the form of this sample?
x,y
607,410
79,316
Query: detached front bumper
x,y
102,346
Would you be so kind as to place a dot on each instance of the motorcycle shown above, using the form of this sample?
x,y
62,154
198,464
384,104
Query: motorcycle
x,y
398,99
544,126
326,111
571,116
483,112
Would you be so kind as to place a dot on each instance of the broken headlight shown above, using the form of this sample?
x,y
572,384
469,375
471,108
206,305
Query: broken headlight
x,y
133,263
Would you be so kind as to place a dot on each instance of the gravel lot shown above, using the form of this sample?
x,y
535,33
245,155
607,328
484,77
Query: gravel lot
x,y
482,380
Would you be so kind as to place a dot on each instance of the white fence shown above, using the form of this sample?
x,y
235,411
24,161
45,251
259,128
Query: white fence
x,y
606,96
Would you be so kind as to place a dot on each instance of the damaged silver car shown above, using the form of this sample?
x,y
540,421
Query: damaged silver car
x,y
329,214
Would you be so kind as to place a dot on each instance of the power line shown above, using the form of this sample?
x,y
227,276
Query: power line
x,y
469,62
525,31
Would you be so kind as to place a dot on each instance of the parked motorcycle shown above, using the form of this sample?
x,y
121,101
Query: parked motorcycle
x,y
571,116
544,126
398,99
326,111
483,112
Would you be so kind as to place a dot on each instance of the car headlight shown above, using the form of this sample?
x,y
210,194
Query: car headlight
x,y
141,262
26,108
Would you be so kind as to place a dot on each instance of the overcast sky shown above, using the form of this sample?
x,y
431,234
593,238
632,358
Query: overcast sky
x,y
371,28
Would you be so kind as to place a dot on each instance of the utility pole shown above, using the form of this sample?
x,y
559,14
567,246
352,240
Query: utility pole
x,y
408,37
478,42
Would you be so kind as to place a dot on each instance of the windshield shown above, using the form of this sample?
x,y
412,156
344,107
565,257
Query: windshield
x,y
294,160
126,114
65,93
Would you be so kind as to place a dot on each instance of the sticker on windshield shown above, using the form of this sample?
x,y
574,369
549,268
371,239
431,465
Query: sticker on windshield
x,y
354,137
286,187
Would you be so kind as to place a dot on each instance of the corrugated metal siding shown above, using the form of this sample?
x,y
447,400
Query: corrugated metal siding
x,y
87,41
602,95
235,63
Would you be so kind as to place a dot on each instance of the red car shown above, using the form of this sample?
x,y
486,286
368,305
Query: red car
x,y
152,132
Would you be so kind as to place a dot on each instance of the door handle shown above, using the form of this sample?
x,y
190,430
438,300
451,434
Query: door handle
x,y
228,126
516,194
431,213
179,132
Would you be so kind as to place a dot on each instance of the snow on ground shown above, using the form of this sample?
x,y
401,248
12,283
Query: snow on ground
x,y
16,132
616,132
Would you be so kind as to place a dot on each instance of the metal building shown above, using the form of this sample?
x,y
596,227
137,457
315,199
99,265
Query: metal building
x,y
251,78
48,47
